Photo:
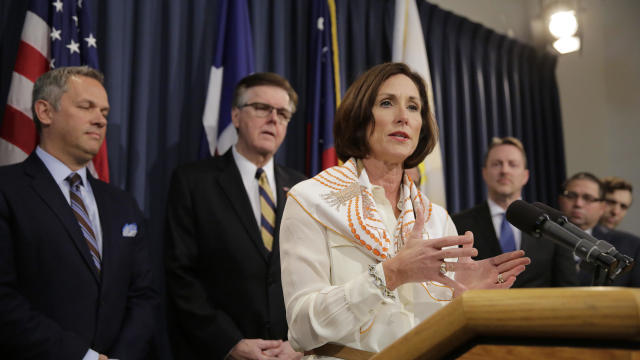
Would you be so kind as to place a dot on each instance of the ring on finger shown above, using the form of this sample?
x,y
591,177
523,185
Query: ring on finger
x,y
500,279
443,268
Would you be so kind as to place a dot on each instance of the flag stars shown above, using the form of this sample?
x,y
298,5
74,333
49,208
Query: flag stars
x,y
91,41
55,34
75,19
73,47
58,5
52,63
80,3
320,23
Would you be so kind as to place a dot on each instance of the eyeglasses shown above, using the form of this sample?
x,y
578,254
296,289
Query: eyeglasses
x,y
573,196
264,110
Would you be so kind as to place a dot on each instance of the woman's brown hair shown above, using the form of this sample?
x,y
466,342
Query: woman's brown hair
x,y
355,114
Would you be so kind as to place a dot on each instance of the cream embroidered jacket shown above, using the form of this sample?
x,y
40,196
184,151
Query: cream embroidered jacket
x,y
328,291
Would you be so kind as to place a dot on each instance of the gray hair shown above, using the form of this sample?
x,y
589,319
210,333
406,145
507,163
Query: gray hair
x,y
53,84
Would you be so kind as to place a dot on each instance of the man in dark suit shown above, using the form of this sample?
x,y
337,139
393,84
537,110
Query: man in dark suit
x,y
223,214
505,173
75,278
582,202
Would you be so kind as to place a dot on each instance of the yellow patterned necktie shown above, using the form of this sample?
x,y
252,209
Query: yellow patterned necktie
x,y
267,209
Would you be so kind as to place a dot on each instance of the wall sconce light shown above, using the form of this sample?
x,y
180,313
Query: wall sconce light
x,y
563,25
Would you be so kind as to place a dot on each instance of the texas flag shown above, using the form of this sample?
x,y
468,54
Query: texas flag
x,y
232,61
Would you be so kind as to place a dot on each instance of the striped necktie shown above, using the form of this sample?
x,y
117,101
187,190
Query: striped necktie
x,y
267,209
81,214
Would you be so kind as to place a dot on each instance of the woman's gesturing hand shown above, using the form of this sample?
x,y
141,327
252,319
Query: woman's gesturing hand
x,y
421,260
498,272
424,260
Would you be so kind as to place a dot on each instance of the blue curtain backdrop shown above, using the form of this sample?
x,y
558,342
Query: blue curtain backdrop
x,y
156,57
485,85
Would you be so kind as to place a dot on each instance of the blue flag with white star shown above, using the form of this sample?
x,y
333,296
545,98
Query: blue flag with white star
x,y
233,60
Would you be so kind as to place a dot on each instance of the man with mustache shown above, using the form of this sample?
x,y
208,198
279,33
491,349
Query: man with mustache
x,y
505,173
223,215
75,275
582,201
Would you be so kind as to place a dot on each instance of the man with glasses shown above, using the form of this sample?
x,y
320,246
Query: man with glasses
x,y
505,173
223,214
617,197
582,202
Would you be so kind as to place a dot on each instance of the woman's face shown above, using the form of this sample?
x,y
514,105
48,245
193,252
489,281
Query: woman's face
x,y
396,114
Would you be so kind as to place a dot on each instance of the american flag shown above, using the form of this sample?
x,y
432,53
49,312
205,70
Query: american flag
x,y
55,33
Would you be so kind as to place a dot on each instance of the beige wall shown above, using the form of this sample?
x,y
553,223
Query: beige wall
x,y
599,86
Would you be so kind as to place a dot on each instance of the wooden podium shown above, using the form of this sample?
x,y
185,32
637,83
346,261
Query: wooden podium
x,y
553,323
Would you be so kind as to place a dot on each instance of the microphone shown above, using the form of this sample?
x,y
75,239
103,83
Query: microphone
x,y
535,222
625,263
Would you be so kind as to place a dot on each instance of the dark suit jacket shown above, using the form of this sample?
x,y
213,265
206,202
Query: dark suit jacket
x,y
223,284
53,302
551,264
625,243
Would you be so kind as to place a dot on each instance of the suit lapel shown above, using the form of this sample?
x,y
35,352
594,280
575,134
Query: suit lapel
x,y
45,186
600,233
105,211
485,222
281,180
231,183
528,243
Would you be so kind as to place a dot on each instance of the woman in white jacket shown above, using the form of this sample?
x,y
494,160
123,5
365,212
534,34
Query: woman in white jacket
x,y
366,256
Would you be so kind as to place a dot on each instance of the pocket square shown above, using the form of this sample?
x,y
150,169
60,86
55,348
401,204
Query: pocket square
x,y
130,230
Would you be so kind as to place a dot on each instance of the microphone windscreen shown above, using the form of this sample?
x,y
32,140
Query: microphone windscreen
x,y
524,216
554,214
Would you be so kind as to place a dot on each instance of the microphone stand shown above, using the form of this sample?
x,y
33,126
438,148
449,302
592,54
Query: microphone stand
x,y
600,276
588,252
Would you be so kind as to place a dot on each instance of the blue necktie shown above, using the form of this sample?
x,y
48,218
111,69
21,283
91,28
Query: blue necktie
x,y
507,239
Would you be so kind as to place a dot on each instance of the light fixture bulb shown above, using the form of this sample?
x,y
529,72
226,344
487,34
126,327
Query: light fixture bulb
x,y
567,44
563,24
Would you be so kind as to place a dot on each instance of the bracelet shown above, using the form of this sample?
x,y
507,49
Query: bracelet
x,y
380,284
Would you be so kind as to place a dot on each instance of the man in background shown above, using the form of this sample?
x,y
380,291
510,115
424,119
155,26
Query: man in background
x,y
75,276
617,199
505,173
581,200
223,215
